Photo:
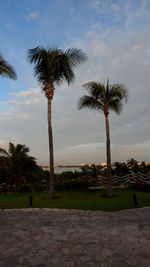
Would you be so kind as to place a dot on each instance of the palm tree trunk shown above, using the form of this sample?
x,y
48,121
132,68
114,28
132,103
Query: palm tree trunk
x,y
20,173
109,181
51,155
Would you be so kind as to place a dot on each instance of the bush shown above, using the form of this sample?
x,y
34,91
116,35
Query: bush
x,y
39,187
77,184
60,186
25,188
5,188
142,186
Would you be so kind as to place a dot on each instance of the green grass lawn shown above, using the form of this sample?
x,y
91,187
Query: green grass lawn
x,y
83,200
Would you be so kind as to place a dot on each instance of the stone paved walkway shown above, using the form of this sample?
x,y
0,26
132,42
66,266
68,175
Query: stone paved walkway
x,y
64,238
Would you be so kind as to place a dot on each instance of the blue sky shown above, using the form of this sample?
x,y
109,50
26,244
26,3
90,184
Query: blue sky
x,y
115,36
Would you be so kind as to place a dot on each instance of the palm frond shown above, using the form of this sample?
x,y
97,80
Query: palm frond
x,y
66,73
107,87
116,105
75,56
35,54
118,90
4,153
53,65
46,63
95,89
101,95
22,149
11,148
89,102
63,69
7,70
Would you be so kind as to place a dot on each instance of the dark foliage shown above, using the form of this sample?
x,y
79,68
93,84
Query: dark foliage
x,y
17,167
7,70
142,187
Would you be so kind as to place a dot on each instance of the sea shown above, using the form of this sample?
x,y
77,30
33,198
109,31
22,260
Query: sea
x,y
64,169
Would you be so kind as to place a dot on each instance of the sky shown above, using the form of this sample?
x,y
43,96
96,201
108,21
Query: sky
x,y
116,37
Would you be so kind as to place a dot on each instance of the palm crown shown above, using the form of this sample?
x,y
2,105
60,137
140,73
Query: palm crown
x,y
103,97
53,65
18,157
18,152
6,70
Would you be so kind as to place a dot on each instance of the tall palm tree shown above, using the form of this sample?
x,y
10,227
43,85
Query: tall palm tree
x,y
104,98
52,67
7,70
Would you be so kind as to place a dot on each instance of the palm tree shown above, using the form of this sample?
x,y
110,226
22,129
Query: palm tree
x,y
18,163
120,168
104,98
52,67
93,170
131,162
6,70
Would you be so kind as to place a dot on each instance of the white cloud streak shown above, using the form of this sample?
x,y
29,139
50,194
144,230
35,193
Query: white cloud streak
x,y
32,15
94,4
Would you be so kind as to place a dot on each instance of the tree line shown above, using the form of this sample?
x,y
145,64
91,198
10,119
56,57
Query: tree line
x,y
19,172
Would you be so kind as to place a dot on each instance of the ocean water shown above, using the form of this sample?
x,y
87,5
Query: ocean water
x,y
60,170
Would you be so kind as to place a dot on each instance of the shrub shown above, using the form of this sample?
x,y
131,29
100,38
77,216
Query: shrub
x,y
60,186
25,188
75,184
5,188
142,186
39,187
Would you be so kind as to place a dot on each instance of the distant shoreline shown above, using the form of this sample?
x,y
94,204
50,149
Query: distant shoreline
x,y
58,166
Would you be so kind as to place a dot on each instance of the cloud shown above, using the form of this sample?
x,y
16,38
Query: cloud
x,y
23,102
26,121
136,48
32,15
87,147
9,25
79,136
24,94
121,54
12,54
3,144
115,7
143,11
94,4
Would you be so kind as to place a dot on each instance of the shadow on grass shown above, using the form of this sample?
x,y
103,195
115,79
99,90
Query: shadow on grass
x,y
106,196
47,198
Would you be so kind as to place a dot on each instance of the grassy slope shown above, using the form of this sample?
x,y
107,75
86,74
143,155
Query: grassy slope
x,y
83,200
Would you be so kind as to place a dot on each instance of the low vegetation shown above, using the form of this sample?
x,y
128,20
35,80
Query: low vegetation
x,y
21,177
81,200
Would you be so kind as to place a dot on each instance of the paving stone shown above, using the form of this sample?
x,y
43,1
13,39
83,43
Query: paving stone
x,y
71,238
